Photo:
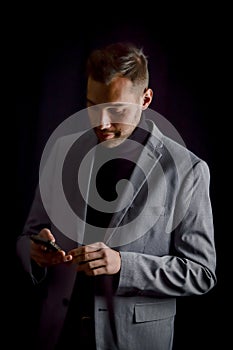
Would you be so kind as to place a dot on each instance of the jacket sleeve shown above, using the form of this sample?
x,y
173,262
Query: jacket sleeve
x,y
37,219
189,268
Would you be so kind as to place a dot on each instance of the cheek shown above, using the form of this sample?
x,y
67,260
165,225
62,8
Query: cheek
x,y
130,123
126,129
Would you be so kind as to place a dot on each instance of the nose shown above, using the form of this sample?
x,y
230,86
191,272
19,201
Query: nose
x,y
104,120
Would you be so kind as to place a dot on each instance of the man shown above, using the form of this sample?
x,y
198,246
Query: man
x,y
137,231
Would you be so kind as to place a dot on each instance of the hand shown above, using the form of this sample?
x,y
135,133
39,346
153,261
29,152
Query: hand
x,y
96,259
45,257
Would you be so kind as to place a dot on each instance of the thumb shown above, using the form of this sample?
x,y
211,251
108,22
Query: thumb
x,y
46,233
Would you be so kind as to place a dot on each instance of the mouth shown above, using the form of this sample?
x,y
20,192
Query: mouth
x,y
108,135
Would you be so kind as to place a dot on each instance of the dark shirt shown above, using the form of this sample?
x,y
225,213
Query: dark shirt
x,y
110,166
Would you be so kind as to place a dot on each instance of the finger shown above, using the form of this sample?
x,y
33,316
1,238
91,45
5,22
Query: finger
x,y
96,272
94,264
88,257
80,252
93,247
37,248
67,258
91,265
90,270
46,233
47,258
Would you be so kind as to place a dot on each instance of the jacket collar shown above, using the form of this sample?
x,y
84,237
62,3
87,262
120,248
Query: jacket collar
x,y
147,161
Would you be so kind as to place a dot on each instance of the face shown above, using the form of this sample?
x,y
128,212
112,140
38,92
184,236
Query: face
x,y
115,109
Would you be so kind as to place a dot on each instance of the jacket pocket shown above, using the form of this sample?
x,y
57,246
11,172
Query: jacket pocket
x,y
154,311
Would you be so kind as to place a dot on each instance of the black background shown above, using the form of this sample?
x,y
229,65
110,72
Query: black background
x,y
186,48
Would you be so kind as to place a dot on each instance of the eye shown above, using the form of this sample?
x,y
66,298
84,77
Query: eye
x,y
116,111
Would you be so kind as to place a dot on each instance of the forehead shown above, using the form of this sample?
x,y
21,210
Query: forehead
x,y
119,90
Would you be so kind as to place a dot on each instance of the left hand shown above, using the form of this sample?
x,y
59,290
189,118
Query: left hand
x,y
96,259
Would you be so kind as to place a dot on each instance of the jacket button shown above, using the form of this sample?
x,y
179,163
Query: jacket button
x,y
65,302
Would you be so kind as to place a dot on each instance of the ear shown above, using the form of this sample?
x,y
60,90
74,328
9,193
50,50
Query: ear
x,y
147,98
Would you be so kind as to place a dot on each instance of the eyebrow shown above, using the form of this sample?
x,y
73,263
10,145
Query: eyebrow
x,y
115,104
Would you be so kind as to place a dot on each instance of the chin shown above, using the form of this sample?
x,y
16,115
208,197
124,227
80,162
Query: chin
x,y
112,142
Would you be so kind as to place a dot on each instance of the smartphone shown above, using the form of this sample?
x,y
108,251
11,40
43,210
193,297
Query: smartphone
x,y
46,242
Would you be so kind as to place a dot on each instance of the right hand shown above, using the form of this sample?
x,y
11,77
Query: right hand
x,y
44,257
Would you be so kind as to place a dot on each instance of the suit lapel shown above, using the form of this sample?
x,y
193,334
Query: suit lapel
x,y
146,162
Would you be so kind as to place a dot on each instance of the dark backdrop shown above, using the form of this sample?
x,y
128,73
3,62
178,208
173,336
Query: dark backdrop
x,y
47,56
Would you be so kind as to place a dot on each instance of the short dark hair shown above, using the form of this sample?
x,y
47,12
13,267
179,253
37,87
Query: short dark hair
x,y
119,60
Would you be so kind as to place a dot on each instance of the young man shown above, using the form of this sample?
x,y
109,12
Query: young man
x,y
140,232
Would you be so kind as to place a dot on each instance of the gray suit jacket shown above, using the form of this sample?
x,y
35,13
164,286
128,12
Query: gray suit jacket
x,y
164,233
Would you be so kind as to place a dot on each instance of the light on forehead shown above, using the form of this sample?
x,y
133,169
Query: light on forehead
x,y
112,104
